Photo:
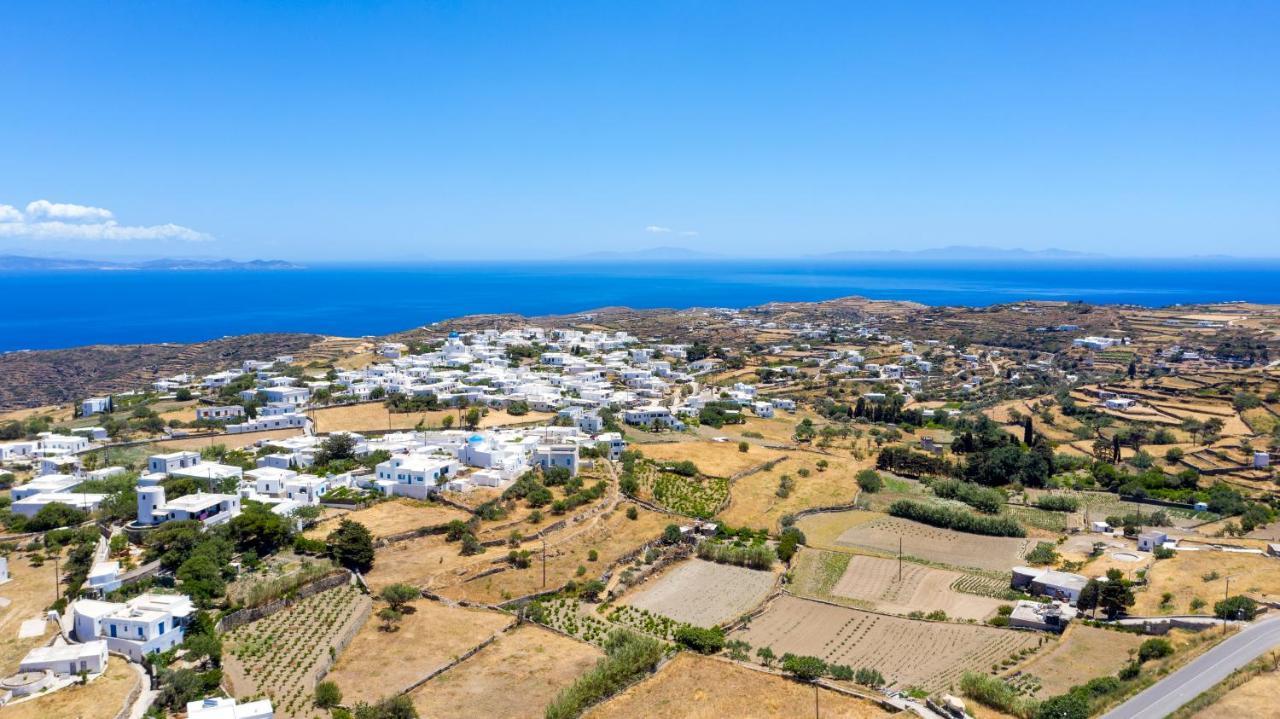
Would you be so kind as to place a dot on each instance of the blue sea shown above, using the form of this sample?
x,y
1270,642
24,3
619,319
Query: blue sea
x,y
69,309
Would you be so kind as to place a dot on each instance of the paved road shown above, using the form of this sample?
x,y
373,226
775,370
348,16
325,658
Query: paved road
x,y
1170,693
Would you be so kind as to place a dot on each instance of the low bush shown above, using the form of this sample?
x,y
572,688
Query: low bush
x,y
958,520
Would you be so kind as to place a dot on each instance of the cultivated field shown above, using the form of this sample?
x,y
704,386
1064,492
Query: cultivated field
x,y
102,698
907,652
377,664
714,459
703,593
374,415
1191,574
873,581
22,599
754,500
697,687
392,517
1080,655
516,677
280,655
881,535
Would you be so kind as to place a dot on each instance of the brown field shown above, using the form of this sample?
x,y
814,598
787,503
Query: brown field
x,y
703,593
374,415
1255,698
29,592
515,677
697,687
57,413
1082,654
102,698
875,580
1183,576
231,441
377,664
754,502
822,530
392,517
932,655
881,535
715,459
611,537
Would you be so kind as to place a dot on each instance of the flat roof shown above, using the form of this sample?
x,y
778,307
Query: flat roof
x,y
65,652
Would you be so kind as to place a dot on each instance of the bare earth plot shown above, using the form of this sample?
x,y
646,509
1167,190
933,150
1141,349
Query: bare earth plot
x,y
754,500
387,518
714,459
1082,654
696,687
703,593
907,652
925,589
377,664
231,441
959,549
515,677
102,698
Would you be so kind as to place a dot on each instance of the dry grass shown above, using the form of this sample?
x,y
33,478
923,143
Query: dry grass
x,y
822,530
1082,654
611,536
377,664
392,517
1183,577
754,501
102,698
515,677
231,441
715,459
1255,698
29,592
374,415
697,687
907,652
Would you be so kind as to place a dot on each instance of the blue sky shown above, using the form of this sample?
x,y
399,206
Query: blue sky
x,y
495,130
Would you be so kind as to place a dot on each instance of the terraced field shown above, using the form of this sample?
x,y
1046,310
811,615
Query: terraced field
x,y
884,535
932,655
921,588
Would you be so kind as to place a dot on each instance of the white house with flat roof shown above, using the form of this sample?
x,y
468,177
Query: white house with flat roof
x,y
67,659
224,708
146,624
557,455
167,463
208,508
46,484
220,413
414,475
95,405
31,505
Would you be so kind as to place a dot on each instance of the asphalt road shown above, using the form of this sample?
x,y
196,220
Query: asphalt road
x,y
1170,693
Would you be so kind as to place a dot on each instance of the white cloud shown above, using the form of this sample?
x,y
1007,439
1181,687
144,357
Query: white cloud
x,y
52,221
657,229
689,233
45,210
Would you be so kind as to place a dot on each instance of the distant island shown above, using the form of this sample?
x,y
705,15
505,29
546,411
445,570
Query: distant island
x,y
952,252
19,263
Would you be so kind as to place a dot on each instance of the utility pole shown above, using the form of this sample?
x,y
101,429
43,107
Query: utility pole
x,y
544,562
57,584
815,700
899,559
1226,593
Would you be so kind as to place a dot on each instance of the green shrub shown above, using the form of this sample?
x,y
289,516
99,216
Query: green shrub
x,y
703,641
958,520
